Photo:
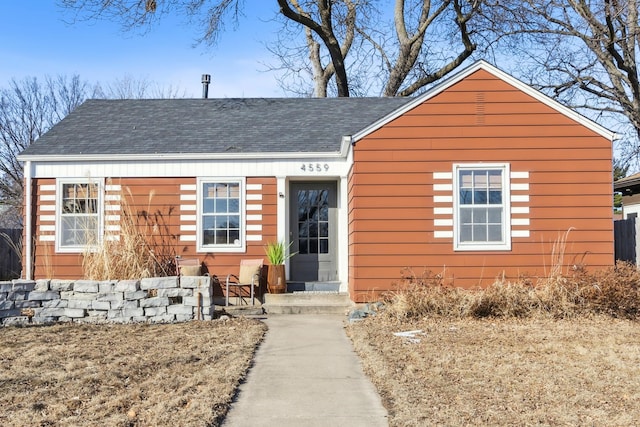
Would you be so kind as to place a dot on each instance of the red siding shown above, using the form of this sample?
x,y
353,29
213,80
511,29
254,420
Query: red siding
x,y
157,199
480,119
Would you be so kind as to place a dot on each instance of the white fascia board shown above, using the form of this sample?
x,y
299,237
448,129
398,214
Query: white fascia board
x,y
483,65
344,147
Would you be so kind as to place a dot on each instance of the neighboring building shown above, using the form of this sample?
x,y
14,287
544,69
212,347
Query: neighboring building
x,y
475,179
629,187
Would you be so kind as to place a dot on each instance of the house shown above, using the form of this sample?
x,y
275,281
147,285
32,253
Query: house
x,y
480,177
629,187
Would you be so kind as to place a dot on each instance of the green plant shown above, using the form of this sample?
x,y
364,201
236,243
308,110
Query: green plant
x,y
277,252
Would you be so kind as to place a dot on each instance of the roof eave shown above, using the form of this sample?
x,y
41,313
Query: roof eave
x,y
185,156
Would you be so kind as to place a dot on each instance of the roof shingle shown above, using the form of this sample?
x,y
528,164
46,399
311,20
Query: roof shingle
x,y
194,126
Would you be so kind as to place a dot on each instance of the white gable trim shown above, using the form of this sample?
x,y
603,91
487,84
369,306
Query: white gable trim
x,y
483,65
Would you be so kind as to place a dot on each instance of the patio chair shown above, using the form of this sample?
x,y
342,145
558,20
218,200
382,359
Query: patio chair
x,y
249,276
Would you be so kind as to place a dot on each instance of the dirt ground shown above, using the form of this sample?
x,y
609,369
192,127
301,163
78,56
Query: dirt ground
x,y
504,372
123,375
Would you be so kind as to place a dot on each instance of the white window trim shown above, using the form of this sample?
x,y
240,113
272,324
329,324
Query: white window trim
x,y
505,245
59,193
243,215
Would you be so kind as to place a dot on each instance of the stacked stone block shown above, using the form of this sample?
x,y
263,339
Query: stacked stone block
x,y
159,299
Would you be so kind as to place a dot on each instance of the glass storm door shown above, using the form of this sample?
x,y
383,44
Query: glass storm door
x,y
313,219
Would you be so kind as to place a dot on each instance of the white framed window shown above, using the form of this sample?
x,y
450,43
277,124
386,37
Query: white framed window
x,y
79,207
221,215
481,211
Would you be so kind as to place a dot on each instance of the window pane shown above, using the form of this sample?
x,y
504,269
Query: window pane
x,y
495,178
480,233
465,233
495,216
208,237
465,197
313,229
313,246
465,216
303,230
495,233
208,222
222,237
207,206
233,221
220,206
324,246
303,246
479,216
234,205
465,178
479,197
480,179
495,197
234,191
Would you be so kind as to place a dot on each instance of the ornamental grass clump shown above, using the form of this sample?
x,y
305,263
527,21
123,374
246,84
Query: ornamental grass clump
x,y
132,251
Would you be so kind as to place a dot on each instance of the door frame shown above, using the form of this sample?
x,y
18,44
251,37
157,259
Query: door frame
x,y
318,266
283,189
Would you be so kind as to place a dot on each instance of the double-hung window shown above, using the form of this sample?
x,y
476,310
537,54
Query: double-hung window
x,y
481,207
79,216
220,216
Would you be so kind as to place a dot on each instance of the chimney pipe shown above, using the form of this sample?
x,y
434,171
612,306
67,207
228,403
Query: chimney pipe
x,y
206,79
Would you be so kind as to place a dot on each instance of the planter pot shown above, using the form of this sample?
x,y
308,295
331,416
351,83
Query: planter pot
x,y
276,279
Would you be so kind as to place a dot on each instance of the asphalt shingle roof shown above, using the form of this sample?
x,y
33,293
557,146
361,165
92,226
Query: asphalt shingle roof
x,y
192,126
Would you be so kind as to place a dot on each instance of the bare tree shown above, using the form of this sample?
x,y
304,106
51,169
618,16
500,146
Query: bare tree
x,y
129,87
581,52
28,108
345,43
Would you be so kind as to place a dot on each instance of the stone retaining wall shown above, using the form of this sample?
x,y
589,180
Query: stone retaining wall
x,y
158,299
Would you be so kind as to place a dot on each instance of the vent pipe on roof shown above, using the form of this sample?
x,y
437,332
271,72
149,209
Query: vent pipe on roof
x,y
206,79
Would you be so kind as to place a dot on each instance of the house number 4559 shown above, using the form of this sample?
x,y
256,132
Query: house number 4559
x,y
314,167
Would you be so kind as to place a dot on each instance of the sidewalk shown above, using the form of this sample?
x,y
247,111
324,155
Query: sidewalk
x,y
306,373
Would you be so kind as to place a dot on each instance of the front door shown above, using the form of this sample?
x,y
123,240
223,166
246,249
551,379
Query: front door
x,y
313,234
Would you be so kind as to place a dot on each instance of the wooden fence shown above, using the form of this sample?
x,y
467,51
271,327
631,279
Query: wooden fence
x,y
10,250
627,240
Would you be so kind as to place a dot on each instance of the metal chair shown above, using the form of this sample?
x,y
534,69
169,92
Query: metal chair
x,y
249,276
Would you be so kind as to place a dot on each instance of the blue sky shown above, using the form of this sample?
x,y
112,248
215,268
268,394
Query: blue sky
x,y
36,39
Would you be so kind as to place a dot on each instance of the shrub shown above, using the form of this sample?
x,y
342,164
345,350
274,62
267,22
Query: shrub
x,y
614,291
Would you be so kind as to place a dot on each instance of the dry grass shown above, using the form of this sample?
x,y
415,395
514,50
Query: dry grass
x,y
136,250
123,375
504,372
614,291
562,350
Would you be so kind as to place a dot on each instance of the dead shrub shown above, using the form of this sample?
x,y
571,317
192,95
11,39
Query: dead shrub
x,y
614,291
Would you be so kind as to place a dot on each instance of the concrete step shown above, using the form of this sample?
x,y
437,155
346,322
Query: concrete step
x,y
308,303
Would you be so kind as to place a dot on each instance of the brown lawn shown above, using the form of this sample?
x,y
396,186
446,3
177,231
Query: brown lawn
x,y
123,375
505,372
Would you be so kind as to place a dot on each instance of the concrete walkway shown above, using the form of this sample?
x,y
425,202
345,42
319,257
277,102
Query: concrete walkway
x,y
306,373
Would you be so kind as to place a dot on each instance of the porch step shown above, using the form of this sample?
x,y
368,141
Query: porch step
x,y
308,303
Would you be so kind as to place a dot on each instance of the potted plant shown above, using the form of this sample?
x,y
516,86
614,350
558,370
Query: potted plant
x,y
276,276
